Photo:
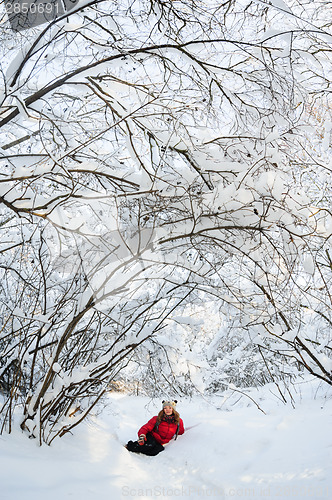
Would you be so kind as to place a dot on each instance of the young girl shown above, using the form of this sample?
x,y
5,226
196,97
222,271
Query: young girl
x,y
158,431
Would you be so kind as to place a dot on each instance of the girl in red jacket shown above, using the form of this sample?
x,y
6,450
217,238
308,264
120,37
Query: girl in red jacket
x,y
158,431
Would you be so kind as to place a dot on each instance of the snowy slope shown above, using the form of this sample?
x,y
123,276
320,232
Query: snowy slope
x,y
235,451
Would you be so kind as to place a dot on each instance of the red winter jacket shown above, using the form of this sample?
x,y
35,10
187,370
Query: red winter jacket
x,y
165,431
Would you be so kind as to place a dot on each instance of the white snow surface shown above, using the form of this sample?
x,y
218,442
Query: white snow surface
x,y
232,450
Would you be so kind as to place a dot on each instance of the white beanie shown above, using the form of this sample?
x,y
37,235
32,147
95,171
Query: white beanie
x,y
169,403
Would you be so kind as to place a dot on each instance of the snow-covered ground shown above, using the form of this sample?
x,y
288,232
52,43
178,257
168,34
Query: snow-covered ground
x,y
231,451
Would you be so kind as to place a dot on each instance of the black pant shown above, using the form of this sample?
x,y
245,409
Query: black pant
x,y
150,447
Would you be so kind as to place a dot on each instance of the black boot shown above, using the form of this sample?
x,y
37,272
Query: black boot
x,y
151,447
133,446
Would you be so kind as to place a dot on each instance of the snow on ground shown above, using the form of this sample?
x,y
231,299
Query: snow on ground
x,y
231,451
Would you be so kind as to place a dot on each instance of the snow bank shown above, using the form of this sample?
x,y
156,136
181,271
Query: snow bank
x,y
230,451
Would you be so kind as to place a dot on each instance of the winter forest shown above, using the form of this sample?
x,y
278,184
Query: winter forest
x,y
165,205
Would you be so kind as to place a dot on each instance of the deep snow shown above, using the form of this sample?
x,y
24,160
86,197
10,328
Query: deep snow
x,y
233,450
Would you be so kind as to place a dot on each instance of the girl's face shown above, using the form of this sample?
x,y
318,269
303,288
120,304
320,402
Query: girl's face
x,y
168,410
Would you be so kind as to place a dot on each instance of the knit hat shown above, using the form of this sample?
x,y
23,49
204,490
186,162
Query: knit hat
x,y
170,403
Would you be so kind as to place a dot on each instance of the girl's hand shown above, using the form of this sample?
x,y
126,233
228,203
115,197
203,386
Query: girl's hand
x,y
141,439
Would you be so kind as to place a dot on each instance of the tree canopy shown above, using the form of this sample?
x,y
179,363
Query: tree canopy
x,y
165,201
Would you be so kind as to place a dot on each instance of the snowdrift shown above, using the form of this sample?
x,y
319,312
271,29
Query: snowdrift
x,y
230,450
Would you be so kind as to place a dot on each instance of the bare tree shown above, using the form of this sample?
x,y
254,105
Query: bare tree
x,y
153,153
